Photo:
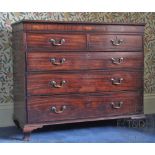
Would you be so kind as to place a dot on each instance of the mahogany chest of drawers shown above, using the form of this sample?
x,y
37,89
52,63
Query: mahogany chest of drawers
x,y
74,72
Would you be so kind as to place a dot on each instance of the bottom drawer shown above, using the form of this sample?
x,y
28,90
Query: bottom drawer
x,y
70,107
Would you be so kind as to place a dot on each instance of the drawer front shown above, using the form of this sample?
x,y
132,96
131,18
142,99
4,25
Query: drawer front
x,y
83,82
116,42
64,107
43,61
57,41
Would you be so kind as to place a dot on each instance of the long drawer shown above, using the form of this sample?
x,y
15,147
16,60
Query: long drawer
x,y
64,107
46,61
83,82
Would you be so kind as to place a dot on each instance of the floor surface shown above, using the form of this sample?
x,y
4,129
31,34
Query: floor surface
x,y
94,132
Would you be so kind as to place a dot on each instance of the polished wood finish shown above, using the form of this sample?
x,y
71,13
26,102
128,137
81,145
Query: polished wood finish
x,y
41,61
93,27
104,42
19,81
82,106
83,82
66,72
28,128
72,41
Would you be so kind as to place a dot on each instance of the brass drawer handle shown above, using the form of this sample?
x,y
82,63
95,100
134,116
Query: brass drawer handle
x,y
116,81
54,109
54,62
116,105
117,60
117,42
55,85
57,42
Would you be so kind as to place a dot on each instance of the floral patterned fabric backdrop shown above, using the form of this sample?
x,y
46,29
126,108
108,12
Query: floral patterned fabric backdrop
x,y
6,70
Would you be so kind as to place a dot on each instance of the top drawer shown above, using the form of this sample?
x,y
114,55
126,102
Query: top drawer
x,y
114,42
85,42
57,41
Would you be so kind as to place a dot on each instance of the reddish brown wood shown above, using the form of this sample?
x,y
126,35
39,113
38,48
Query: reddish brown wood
x,y
19,90
96,42
84,82
82,106
28,128
74,23
72,41
41,61
130,116
88,69
29,25
104,42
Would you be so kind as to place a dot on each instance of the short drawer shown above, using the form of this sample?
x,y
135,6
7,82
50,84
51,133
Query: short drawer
x,y
83,82
46,61
64,107
116,42
56,41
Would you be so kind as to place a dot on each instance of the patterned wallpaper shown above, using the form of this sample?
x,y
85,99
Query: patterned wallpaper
x,y
6,72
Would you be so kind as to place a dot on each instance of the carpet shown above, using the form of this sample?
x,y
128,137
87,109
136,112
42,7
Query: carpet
x,y
92,132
